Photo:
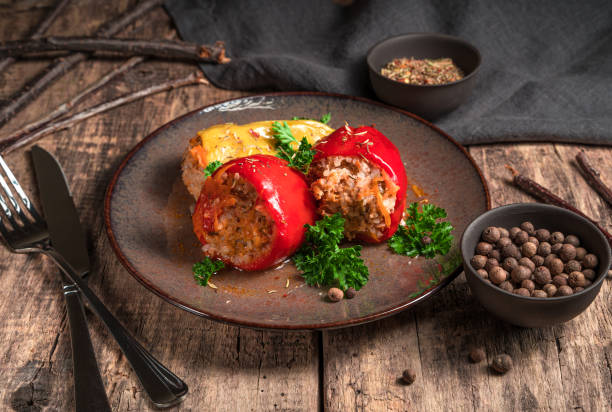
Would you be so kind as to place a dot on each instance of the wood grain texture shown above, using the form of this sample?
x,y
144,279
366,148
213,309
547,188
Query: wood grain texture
x,y
566,367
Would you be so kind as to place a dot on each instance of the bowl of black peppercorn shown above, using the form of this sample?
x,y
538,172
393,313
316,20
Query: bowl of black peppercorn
x,y
517,258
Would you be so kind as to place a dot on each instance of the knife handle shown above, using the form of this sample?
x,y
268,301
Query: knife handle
x,y
163,387
89,393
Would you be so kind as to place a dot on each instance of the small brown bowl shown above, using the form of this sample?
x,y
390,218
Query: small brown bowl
x,y
428,101
524,310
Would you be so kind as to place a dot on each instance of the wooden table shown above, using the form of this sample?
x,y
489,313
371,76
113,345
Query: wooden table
x,y
566,367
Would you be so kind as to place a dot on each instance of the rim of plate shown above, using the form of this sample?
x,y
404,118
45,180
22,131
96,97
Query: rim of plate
x,y
229,320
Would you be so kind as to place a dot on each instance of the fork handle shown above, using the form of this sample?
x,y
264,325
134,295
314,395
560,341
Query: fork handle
x,y
89,393
163,387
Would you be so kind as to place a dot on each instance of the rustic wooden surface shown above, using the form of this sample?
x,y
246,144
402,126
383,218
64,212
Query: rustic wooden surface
x,y
566,367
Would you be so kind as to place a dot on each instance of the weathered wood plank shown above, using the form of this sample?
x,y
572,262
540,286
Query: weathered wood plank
x,y
226,367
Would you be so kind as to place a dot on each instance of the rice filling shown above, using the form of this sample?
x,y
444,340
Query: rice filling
x,y
241,227
363,193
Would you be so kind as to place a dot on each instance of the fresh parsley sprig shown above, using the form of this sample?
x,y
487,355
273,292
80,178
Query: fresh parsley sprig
x,y
203,270
423,234
323,262
211,167
299,159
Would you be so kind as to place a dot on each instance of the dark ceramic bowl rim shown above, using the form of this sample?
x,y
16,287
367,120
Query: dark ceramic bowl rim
x,y
255,325
419,34
466,259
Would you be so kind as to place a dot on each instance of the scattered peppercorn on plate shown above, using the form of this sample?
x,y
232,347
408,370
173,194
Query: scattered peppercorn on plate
x,y
292,207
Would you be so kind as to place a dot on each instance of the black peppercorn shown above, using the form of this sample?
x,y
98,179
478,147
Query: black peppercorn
x,y
534,240
519,274
335,294
491,263
522,292
589,274
481,272
539,294
521,237
542,275
477,355
502,363
576,279
556,248
497,275
542,234
511,250
491,234
513,231
556,237
549,259
494,254
578,289
503,232
590,261
537,260
573,266
528,284
556,266
350,293
587,283
509,264
572,240
529,249
565,290
478,261
528,227
408,376
504,241
567,252
482,248
580,253
507,286
559,281
528,263
550,289
544,249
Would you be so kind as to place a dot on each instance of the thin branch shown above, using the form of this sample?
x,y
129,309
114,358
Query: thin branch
x,y
130,47
70,104
63,64
39,29
592,177
545,195
10,144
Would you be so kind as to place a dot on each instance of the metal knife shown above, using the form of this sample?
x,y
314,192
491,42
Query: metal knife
x,y
68,238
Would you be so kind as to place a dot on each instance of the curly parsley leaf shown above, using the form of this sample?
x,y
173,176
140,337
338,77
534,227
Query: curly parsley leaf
x,y
423,234
211,167
323,262
298,159
202,271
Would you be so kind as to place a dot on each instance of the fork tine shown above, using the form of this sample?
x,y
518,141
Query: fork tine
x,y
8,214
24,198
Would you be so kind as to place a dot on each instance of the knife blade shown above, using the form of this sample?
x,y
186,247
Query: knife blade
x,y
65,230
68,239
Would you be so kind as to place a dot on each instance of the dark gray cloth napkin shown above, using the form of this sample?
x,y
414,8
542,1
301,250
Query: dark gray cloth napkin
x,y
546,73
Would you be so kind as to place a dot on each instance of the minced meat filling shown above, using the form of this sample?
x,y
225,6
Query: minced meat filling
x,y
361,192
241,229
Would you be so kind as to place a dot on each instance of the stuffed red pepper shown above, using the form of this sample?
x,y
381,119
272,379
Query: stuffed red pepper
x,y
359,173
252,211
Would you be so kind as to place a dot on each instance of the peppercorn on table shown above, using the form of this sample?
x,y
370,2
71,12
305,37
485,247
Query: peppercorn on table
x,y
229,368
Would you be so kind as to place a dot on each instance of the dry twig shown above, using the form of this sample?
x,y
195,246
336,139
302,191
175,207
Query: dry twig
x,y
130,47
10,144
63,64
592,177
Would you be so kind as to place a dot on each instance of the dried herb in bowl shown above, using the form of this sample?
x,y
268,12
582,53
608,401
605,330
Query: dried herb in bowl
x,y
422,71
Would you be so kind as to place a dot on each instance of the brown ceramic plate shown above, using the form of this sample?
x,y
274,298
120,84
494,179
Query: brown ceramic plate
x,y
149,225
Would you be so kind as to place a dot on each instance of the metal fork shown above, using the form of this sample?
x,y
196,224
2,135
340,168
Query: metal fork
x,y
27,233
